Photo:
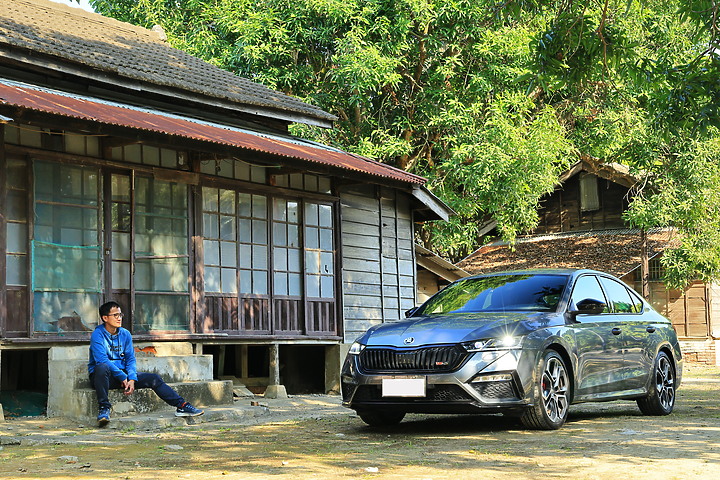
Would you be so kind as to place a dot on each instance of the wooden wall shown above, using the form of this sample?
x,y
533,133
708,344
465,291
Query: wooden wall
x,y
690,311
377,257
561,212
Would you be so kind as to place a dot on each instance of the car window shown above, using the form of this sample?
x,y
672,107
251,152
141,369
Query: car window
x,y
587,287
618,295
637,302
498,293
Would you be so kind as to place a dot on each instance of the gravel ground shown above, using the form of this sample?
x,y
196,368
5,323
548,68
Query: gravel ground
x,y
313,436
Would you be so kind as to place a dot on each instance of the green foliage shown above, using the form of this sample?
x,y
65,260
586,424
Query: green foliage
x,y
491,100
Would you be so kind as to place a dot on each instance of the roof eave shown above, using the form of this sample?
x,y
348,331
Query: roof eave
x,y
109,79
431,207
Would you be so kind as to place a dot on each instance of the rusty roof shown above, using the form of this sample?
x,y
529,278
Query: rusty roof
x,y
58,36
112,113
613,251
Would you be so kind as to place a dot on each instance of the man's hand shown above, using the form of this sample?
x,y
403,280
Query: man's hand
x,y
129,386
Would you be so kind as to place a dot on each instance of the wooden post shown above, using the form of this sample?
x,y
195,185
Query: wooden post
x,y
274,389
644,265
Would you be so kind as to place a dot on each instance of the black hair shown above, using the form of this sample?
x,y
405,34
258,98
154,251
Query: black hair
x,y
106,307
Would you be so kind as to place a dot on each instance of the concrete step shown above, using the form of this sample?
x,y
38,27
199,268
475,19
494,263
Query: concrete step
x,y
165,418
200,394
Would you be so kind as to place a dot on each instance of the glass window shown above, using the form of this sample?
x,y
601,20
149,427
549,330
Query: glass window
x,y
17,222
286,252
319,250
162,260
587,287
235,232
498,293
618,295
66,254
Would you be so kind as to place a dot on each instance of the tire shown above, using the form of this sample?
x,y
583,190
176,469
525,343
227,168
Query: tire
x,y
551,393
376,418
660,399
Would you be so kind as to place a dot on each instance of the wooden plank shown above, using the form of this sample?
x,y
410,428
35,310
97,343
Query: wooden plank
x,y
406,267
368,301
352,288
359,216
354,264
359,229
353,240
362,312
361,277
359,252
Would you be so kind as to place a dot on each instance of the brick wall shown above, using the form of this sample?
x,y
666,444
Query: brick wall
x,y
700,351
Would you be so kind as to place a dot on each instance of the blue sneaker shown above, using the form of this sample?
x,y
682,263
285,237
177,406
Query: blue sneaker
x,y
187,410
103,417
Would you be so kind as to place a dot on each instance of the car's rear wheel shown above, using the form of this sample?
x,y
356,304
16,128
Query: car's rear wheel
x,y
551,394
377,418
661,396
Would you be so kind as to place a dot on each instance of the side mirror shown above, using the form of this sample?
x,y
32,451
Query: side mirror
x,y
409,313
589,306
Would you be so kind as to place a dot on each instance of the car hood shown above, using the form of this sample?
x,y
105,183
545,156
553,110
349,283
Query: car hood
x,y
456,328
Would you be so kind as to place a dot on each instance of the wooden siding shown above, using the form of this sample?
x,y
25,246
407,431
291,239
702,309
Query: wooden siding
x,y
561,211
377,257
689,310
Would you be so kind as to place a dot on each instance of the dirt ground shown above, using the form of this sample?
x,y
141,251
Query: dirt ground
x,y
314,437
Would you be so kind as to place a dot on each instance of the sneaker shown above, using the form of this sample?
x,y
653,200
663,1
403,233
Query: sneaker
x,y
103,417
187,410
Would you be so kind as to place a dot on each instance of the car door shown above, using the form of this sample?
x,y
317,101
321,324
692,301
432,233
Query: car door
x,y
636,334
598,346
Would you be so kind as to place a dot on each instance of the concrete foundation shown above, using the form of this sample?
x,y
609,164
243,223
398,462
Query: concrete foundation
x,y
276,391
70,394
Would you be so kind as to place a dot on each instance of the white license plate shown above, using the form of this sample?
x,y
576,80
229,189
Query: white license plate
x,y
403,387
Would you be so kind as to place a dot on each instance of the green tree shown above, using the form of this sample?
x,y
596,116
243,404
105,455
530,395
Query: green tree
x,y
491,100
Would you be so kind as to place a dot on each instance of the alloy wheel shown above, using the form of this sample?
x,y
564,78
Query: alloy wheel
x,y
555,389
665,383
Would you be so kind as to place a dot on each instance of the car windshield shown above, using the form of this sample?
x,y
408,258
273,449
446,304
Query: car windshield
x,y
498,293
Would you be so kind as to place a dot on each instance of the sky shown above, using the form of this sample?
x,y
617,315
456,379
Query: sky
x,y
83,4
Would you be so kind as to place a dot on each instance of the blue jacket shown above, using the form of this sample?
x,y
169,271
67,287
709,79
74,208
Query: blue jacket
x,y
114,350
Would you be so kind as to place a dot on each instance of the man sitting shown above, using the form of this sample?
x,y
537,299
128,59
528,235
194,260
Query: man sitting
x,y
112,365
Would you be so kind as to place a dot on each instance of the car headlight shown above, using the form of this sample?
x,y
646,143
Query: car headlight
x,y
356,348
503,343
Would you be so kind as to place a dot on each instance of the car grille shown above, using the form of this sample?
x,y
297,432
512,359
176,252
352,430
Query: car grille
x,y
430,359
496,390
438,393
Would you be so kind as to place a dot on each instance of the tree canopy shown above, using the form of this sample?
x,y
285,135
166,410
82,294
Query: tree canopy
x,y
491,100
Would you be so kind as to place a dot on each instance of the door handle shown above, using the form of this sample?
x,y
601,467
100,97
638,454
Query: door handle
x,y
616,331
650,329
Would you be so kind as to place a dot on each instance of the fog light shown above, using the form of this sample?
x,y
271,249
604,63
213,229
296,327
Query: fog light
x,y
500,377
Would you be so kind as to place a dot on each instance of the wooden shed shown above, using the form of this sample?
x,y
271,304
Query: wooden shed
x,y
581,226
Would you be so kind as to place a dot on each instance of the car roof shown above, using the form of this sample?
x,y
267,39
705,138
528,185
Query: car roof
x,y
541,271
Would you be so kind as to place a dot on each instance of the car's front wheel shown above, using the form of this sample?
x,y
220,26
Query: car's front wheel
x,y
661,395
376,418
551,394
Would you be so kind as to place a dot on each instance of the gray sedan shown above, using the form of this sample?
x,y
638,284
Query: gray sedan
x,y
525,343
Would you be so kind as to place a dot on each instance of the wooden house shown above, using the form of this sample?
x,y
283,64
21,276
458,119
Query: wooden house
x,y
581,226
132,171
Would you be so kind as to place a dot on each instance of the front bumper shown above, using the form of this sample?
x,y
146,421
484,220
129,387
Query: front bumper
x,y
485,382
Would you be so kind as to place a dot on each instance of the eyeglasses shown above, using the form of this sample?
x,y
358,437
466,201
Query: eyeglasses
x,y
116,315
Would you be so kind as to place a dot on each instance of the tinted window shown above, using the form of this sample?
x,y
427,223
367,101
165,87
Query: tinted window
x,y
587,287
618,295
498,294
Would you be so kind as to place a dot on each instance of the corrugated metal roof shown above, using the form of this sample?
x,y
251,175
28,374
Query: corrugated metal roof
x,y
112,113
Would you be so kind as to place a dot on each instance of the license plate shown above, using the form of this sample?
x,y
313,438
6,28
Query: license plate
x,y
403,387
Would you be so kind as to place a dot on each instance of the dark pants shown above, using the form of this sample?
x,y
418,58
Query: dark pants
x,y
102,380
